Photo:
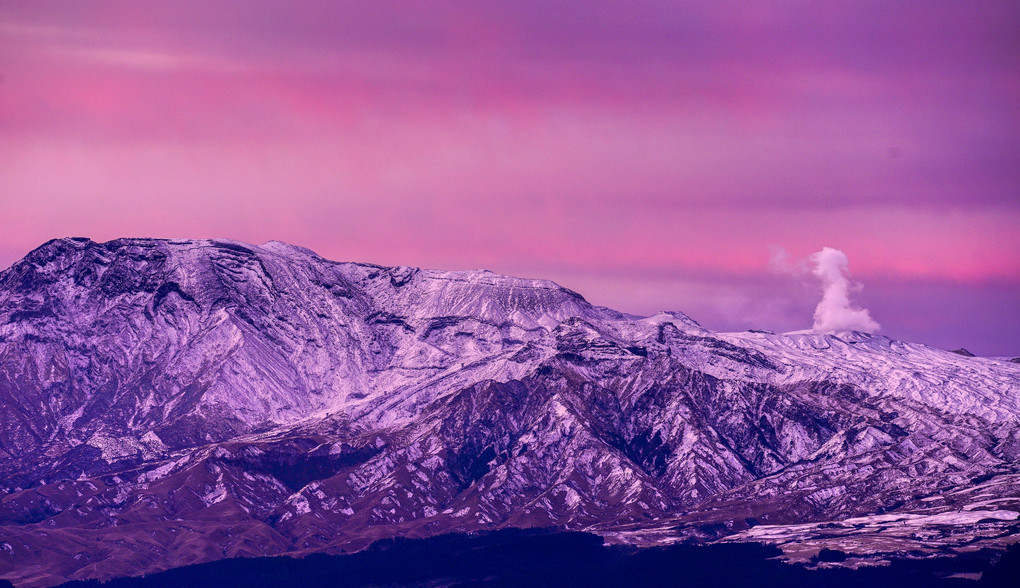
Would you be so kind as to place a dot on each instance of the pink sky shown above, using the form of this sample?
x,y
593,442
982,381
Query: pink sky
x,y
647,154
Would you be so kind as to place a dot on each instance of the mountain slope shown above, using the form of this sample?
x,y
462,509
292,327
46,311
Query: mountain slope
x,y
171,402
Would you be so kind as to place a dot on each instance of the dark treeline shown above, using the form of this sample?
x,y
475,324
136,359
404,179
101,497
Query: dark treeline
x,y
546,558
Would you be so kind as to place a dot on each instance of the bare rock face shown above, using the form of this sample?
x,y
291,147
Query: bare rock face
x,y
172,402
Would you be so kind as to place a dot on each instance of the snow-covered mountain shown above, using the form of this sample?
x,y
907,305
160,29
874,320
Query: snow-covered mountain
x,y
172,402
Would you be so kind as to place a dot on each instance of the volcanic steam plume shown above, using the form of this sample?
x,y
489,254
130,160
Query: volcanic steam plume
x,y
834,312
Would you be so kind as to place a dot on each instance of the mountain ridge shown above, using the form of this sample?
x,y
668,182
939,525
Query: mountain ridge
x,y
194,400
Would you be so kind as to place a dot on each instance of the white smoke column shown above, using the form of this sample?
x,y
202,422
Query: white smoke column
x,y
834,312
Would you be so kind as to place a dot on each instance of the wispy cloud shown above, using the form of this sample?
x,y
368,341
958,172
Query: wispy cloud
x,y
143,59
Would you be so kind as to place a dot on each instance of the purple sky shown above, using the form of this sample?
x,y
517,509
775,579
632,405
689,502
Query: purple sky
x,y
651,155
